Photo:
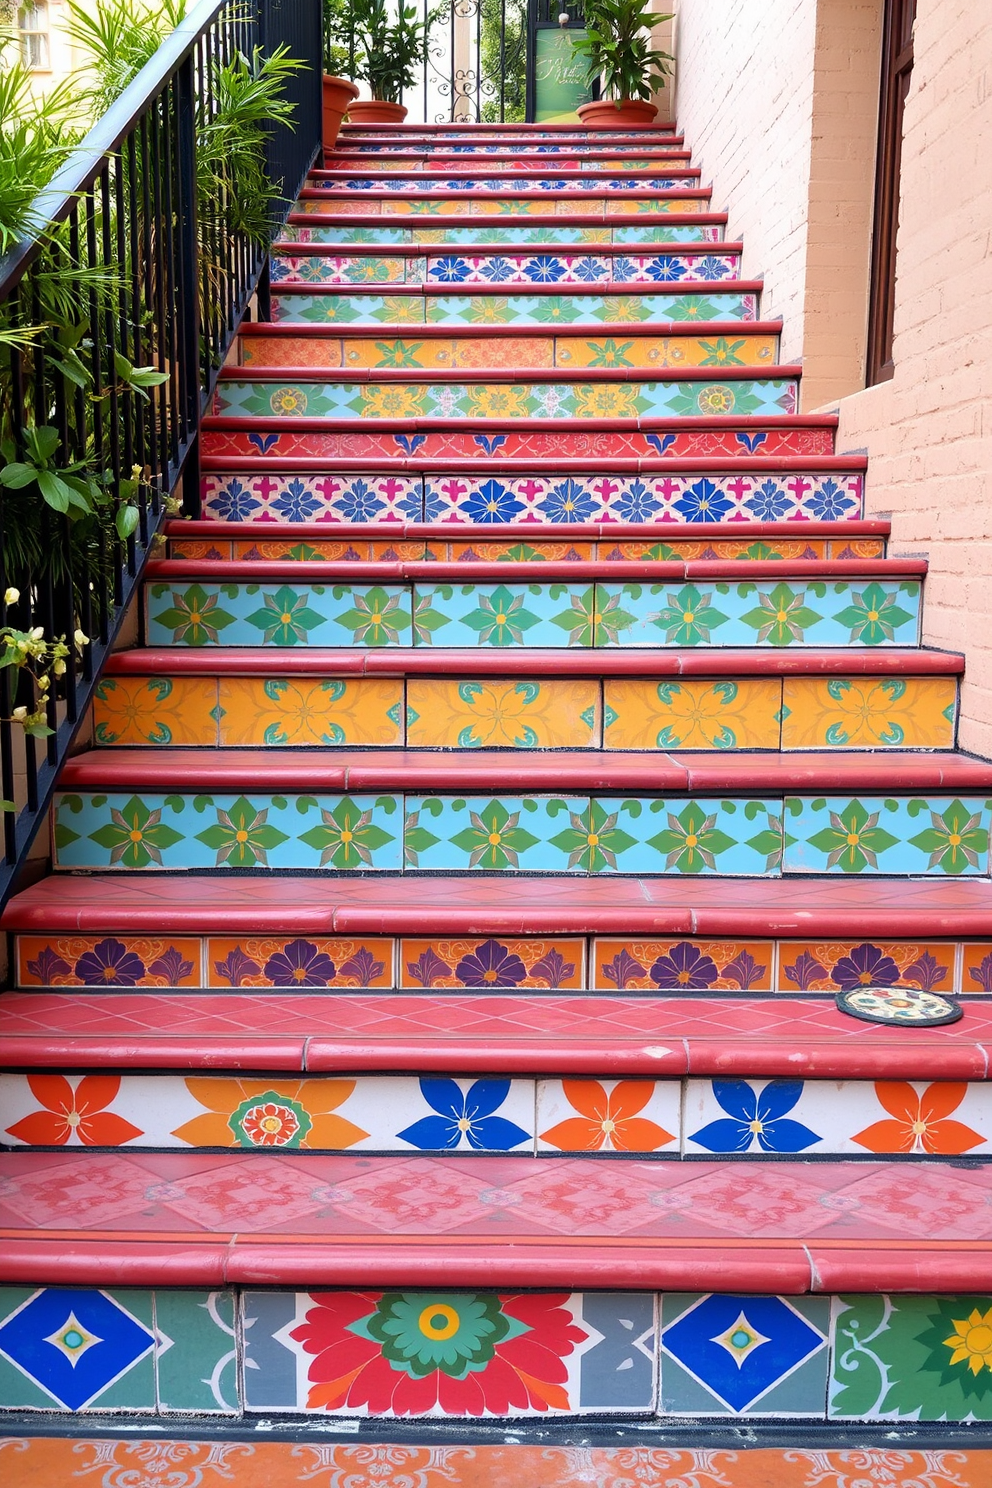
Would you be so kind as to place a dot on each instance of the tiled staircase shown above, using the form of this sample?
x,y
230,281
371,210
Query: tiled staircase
x,y
526,746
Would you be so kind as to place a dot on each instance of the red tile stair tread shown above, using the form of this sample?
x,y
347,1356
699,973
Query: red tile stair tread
x,y
435,375
351,1219
289,249
532,771
281,904
484,1033
498,572
297,330
428,661
508,219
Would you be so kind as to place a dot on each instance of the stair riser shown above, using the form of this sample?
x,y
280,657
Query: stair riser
x,y
549,616
338,235
556,400
646,836
707,303
504,205
636,1355
396,440
498,269
522,353
558,185
789,713
599,162
680,1119
376,496
357,550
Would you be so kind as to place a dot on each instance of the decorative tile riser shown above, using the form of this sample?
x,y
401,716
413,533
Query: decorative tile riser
x,y
355,550
789,713
579,835
280,440
422,182
338,234
463,1355
493,269
519,353
708,613
504,206
570,161
377,496
660,967
245,398
675,1119
491,308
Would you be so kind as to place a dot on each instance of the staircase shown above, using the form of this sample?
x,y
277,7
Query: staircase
x,y
429,1016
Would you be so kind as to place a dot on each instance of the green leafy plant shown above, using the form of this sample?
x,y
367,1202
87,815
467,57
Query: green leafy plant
x,y
617,42
338,47
503,44
387,52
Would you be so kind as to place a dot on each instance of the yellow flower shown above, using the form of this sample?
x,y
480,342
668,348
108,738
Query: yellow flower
x,y
498,402
605,401
972,1342
392,401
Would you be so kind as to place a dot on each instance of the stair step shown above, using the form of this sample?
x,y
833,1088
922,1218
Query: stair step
x,y
621,494
825,907
575,229
610,308
502,266
437,162
506,1111
549,183
285,345
344,1221
282,1027
604,205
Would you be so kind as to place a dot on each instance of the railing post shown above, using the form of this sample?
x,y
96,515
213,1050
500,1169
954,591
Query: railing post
x,y
188,278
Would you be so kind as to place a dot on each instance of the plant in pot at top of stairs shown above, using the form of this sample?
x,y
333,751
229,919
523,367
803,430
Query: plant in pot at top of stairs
x,y
387,54
339,91
618,44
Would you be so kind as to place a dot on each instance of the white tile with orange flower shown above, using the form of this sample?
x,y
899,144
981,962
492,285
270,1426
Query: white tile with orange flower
x,y
609,1116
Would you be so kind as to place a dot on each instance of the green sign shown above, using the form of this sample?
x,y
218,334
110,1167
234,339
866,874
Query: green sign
x,y
559,76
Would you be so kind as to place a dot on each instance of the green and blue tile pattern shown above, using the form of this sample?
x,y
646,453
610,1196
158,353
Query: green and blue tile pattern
x,y
513,309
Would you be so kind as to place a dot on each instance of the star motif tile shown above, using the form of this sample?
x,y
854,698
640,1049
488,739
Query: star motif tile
x,y
73,1344
737,1348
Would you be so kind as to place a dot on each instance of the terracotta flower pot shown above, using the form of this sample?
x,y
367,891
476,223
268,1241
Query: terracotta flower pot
x,y
338,93
375,111
630,113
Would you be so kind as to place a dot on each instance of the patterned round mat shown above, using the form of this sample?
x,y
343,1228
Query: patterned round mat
x,y
903,1005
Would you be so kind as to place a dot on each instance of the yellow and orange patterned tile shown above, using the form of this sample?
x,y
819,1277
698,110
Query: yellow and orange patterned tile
x,y
869,712
665,351
841,966
190,548
642,714
524,353
105,961
673,966
322,550
257,961
518,714
260,711
736,548
861,547
493,964
521,552
976,967
156,710
290,351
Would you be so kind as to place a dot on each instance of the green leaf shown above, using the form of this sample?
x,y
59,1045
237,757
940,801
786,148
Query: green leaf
x,y
55,492
126,521
18,475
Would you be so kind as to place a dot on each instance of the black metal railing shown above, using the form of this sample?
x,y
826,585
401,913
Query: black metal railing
x,y
115,318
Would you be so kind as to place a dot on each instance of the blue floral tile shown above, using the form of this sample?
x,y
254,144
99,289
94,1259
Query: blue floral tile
x,y
503,615
938,835
374,497
488,835
487,1115
734,1117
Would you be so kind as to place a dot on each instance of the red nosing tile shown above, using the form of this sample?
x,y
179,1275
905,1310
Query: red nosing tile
x,y
439,571
296,330
436,375
934,1268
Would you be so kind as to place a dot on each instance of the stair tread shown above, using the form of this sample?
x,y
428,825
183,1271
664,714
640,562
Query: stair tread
x,y
594,1033
176,1218
499,571
532,771
285,904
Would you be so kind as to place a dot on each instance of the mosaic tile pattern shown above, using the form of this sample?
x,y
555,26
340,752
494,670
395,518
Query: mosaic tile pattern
x,y
594,400
568,160
908,835
422,183
536,547
79,1349
487,714
547,267
503,204
539,498
520,353
744,1356
496,237
642,714
437,308
869,712
46,1462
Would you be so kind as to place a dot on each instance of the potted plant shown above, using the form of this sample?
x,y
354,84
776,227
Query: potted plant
x,y
387,54
339,91
617,42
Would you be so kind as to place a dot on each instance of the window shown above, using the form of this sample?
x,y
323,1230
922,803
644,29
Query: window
x,y
897,68
32,22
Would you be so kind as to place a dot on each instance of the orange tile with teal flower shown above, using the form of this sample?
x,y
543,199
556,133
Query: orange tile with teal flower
x,y
156,710
256,961
643,714
301,711
106,961
512,714
490,965
869,712
643,350
281,1114
842,966
674,966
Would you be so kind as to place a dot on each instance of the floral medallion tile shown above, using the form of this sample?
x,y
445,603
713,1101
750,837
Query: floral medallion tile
x,y
674,966
642,714
609,1116
494,268
869,712
255,961
513,714
827,612
645,350
911,1358
938,835
375,497
155,710
976,967
552,965
841,966
249,614
338,833
755,1356
455,1354
539,550
105,961
300,711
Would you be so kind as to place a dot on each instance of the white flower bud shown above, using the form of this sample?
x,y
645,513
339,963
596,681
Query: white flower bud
x,y
12,596
80,639
20,715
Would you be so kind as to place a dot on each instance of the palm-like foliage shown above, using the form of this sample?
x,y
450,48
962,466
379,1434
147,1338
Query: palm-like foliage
x,y
617,42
